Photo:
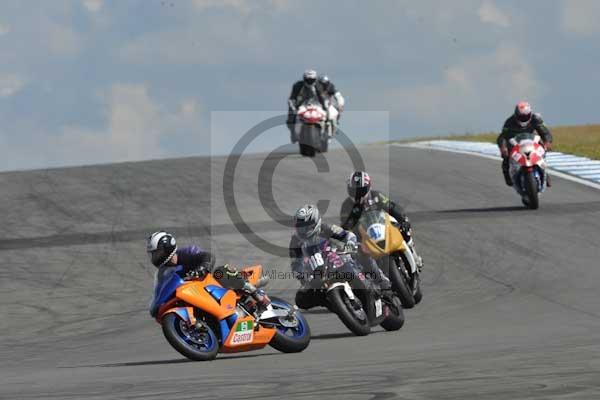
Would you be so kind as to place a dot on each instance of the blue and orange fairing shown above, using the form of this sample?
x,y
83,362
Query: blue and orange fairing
x,y
173,294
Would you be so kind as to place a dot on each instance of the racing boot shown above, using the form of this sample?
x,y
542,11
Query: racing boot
x,y
387,294
291,125
308,298
548,180
384,285
261,299
506,172
259,296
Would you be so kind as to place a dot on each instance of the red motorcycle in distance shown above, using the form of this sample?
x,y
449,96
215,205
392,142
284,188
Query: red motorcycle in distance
x,y
528,168
314,127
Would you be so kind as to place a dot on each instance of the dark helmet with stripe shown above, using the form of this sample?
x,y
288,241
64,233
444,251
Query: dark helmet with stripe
x,y
358,185
161,247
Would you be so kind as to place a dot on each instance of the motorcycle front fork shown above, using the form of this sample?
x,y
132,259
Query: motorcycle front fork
x,y
416,256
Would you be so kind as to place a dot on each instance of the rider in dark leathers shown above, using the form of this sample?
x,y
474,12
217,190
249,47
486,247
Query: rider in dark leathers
x,y
164,255
308,225
523,120
308,87
362,197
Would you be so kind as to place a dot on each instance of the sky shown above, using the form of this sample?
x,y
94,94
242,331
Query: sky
x,y
97,81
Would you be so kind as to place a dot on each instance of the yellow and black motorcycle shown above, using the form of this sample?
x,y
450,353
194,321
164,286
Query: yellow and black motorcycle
x,y
382,239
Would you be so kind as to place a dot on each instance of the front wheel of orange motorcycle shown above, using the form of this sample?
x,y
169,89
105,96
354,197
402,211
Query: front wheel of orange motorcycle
x,y
197,342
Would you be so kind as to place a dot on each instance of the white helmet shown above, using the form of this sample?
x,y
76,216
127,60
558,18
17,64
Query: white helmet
x,y
307,222
161,247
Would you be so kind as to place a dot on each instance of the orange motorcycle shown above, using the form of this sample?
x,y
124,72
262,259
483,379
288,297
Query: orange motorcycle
x,y
201,318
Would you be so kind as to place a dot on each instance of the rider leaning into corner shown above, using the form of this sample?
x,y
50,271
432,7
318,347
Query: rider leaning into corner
x,y
308,227
362,197
164,255
523,120
312,86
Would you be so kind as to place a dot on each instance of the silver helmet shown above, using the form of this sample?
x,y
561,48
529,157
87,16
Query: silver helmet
x,y
307,222
309,77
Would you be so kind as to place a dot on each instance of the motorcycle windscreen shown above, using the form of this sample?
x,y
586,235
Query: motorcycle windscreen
x,y
524,136
373,223
166,283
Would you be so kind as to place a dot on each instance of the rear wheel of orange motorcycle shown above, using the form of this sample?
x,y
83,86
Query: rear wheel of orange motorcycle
x,y
293,335
198,343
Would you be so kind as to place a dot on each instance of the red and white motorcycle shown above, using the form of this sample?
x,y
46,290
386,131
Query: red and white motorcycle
x,y
528,168
315,127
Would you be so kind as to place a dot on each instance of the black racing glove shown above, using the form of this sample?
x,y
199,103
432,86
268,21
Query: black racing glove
x,y
202,269
405,224
230,271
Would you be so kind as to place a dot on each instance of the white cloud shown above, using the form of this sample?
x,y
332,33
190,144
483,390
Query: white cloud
x,y
517,76
10,84
93,5
470,89
4,29
240,36
581,17
135,127
211,44
490,13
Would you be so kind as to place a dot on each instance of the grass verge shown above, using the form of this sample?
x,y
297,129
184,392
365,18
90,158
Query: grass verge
x,y
581,140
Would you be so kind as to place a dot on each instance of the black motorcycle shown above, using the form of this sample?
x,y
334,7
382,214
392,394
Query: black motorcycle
x,y
338,280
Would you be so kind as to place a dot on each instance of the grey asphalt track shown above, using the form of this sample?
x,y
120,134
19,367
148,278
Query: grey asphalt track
x,y
511,305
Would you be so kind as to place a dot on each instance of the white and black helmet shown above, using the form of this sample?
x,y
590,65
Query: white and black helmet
x,y
307,221
161,247
309,77
358,185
